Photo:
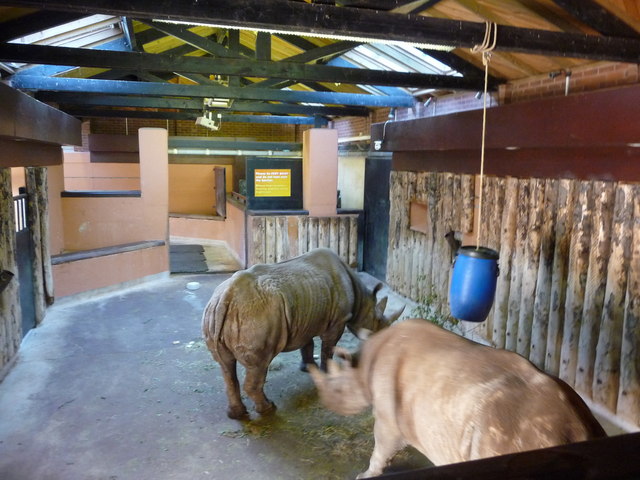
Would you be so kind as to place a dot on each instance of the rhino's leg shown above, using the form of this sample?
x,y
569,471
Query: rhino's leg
x,y
388,441
228,363
329,341
307,356
254,386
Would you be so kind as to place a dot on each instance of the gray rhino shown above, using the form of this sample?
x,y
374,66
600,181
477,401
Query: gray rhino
x,y
452,399
268,309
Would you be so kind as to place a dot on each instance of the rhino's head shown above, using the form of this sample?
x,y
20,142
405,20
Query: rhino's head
x,y
340,389
371,313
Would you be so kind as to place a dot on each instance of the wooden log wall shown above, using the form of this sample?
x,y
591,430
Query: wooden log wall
x,y
10,311
273,239
568,294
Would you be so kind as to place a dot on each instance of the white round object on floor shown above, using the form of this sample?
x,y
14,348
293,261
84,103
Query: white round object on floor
x,y
193,285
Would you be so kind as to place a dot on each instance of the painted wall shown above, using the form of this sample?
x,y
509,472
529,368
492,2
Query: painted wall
x,y
81,174
90,223
320,171
192,188
351,181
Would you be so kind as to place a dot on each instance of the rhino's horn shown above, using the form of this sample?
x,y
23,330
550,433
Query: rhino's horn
x,y
382,304
395,315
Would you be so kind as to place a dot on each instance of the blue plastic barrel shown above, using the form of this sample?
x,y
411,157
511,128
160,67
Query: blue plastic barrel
x,y
473,284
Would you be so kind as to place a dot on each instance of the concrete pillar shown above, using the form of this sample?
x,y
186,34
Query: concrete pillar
x,y
320,171
154,181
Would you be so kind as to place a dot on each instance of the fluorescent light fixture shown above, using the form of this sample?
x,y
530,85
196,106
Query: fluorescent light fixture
x,y
216,102
351,38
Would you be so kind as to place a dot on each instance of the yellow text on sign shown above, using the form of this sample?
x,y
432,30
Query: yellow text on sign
x,y
273,182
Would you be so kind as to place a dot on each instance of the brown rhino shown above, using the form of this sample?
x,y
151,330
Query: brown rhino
x,y
452,399
268,309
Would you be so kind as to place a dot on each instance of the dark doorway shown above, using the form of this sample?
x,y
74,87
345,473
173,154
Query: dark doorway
x,y
376,214
24,258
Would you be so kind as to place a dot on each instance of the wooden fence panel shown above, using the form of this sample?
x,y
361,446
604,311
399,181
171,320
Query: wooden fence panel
x,y
576,282
564,226
604,195
608,351
507,248
628,406
511,334
566,255
543,282
530,262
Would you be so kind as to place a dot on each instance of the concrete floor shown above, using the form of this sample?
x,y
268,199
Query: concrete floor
x,y
121,386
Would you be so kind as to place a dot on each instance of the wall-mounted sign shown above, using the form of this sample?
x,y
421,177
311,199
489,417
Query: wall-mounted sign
x,y
271,182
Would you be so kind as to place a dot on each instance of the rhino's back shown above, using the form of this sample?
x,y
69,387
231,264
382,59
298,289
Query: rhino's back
x,y
457,400
280,305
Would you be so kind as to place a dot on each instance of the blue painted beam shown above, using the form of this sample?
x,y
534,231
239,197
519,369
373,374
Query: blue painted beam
x,y
169,89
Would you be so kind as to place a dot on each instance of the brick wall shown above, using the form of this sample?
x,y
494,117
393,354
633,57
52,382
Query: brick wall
x,y
254,131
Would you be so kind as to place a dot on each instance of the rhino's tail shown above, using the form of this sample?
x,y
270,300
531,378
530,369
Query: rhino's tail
x,y
215,314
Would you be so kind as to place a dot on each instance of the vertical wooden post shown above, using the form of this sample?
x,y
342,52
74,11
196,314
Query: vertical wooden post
x,y
531,261
10,311
628,406
303,234
564,221
543,284
515,287
606,378
507,245
604,195
468,203
576,282
353,241
257,250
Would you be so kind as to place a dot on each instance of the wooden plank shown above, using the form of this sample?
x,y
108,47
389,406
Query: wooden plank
x,y
303,234
353,241
508,225
606,377
604,196
394,229
10,311
419,246
445,225
545,271
343,238
324,233
282,239
257,247
334,234
515,287
270,242
293,225
439,278
409,237
468,203
529,272
628,406
494,208
567,191
576,282
313,233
